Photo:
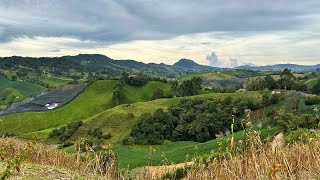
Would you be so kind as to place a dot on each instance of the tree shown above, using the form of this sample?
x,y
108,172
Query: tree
x,y
270,82
266,96
316,88
189,87
294,100
287,79
157,94
116,96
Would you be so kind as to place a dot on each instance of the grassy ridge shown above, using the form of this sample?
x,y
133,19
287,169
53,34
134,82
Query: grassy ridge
x,y
209,76
54,82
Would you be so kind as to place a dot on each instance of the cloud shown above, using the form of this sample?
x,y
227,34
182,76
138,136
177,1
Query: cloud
x,y
114,21
258,31
214,61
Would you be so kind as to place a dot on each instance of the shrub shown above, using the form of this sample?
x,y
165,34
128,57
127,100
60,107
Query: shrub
x,y
288,121
312,100
65,132
301,134
98,134
65,144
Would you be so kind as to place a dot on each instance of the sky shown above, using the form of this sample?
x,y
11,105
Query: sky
x,y
222,33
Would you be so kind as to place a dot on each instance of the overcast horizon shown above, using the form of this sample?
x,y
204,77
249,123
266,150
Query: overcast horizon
x,y
211,32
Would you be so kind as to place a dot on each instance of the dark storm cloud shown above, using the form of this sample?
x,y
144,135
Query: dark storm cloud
x,y
111,21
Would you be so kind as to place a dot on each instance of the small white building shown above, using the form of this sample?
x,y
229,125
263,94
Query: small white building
x,y
276,91
51,105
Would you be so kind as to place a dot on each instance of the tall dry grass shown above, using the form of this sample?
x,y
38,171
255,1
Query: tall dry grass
x,y
87,163
248,159
258,161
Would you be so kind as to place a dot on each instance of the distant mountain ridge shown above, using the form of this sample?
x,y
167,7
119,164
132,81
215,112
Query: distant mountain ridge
x,y
280,67
101,63
190,65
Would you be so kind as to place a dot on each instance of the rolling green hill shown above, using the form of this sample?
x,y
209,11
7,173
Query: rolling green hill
x,y
119,120
95,99
12,91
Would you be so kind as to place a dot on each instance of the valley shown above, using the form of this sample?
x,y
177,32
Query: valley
x,y
151,119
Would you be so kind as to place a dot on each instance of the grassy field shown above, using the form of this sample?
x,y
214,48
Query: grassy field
x,y
54,81
209,76
96,98
178,152
137,94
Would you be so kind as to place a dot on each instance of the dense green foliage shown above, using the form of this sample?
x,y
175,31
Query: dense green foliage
x,y
288,121
186,88
316,88
286,81
65,132
312,100
98,134
158,94
191,120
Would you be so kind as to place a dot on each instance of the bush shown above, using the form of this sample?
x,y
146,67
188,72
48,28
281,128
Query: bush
x,y
65,144
7,134
302,134
157,94
312,100
98,134
65,132
288,121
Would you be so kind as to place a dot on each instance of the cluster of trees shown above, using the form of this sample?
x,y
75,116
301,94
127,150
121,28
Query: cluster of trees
x,y
191,120
98,134
293,114
117,94
140,79
289,121
316,88
287,81
65,132
186,88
